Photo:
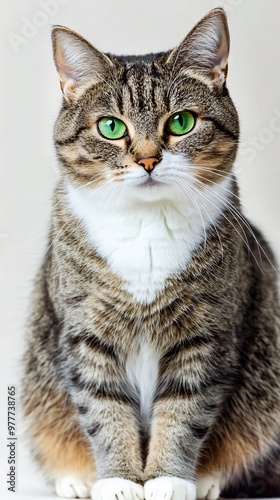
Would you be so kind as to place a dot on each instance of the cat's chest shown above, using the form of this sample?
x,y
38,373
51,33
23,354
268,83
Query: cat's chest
x,y
143,248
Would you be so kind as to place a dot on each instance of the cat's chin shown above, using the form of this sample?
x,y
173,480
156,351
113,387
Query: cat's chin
x,y
151,191
150,182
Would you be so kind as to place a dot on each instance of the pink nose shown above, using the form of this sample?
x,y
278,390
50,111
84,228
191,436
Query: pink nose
x,y
148,163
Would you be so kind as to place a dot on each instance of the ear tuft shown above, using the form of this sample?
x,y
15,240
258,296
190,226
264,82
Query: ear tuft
x,y
205,48
77,62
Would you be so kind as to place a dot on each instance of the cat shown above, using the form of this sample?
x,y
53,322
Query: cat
x,y
151,367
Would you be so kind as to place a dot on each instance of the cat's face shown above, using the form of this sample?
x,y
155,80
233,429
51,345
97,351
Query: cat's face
x,y
148,127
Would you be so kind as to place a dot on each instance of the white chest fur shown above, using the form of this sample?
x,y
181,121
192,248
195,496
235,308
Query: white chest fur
x,y
144,243
142,373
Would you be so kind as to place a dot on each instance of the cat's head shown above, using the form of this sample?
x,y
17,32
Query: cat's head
x,y
148,127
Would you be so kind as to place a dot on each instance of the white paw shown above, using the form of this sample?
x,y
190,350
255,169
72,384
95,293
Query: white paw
x,y
169,488
116,488
72,487
208,487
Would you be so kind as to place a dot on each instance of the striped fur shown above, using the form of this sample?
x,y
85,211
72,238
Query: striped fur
x,y
152,356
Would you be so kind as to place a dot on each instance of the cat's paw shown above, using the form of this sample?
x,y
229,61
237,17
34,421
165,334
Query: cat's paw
x,y
169,488
208,487
71,486
117,488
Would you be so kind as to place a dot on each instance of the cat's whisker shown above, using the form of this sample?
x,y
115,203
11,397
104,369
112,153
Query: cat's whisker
x,y
244,239
204,186
194,200
201,191
238,216
197,170
188,185
226,175
186,165
183,172
106,196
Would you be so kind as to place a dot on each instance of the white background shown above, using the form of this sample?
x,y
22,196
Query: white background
x,y
31,98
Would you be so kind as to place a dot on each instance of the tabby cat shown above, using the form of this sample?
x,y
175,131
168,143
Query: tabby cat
x,y
152,361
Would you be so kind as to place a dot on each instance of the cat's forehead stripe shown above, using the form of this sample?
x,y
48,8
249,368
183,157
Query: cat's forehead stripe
x,y
139,86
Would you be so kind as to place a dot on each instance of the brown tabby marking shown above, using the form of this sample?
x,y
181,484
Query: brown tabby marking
x,y
210,164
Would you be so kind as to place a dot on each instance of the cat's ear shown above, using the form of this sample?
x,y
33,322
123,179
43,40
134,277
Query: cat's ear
x,y
78,63
205,48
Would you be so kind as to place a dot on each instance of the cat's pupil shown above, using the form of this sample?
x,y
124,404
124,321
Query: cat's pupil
x,y
112,125
180,120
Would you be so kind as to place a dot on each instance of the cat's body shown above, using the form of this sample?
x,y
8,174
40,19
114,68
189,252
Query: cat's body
x,y
153,351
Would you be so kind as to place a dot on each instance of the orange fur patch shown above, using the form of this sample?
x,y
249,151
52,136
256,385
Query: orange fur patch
x,y
228,457
64,453
57,439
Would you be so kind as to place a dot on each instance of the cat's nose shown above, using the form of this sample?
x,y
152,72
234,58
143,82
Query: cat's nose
x,y
148,163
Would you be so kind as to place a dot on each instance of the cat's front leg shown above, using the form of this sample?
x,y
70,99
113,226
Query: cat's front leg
x,y
107,417
179,426
113,435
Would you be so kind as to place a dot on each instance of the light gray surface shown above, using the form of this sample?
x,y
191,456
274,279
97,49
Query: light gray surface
x,y
30,101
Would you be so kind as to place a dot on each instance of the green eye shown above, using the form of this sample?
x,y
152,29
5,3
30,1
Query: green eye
x,y
181,123
111,128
